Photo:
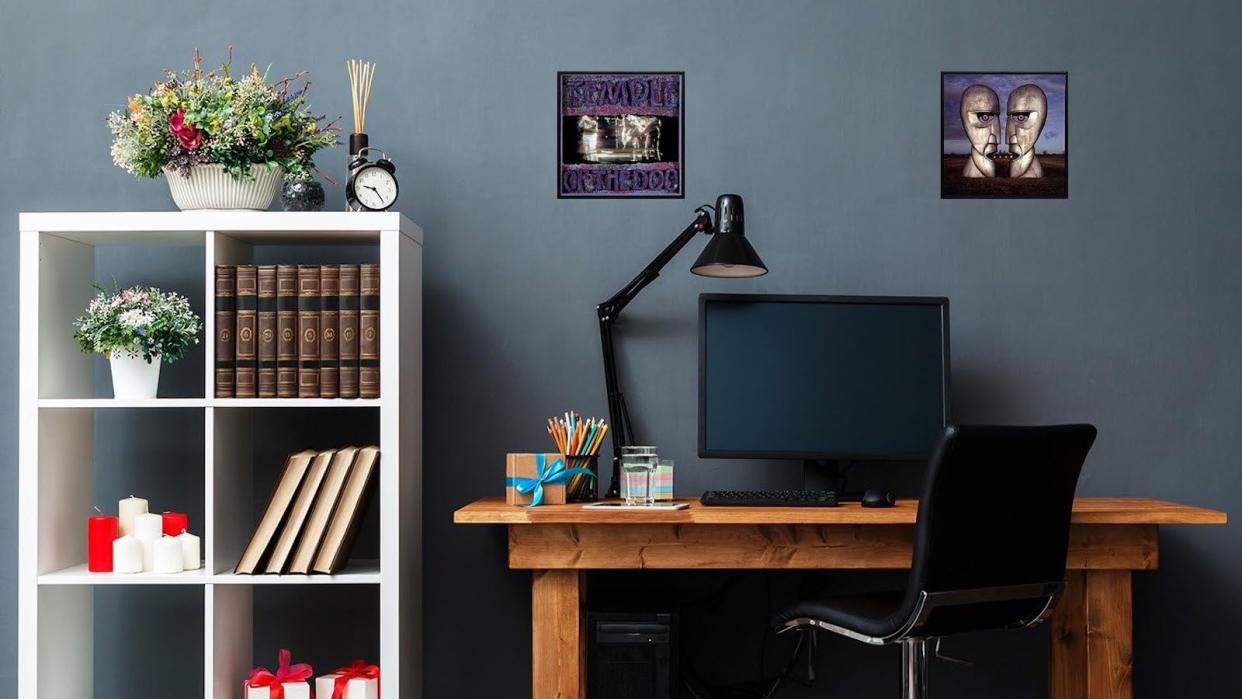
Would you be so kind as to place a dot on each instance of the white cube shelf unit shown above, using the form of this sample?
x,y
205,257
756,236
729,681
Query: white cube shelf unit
x,y
57,407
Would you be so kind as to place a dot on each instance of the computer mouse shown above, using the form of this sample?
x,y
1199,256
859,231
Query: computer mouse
x,y
875,497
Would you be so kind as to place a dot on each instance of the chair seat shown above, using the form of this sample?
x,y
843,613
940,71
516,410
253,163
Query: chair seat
x,y
877,614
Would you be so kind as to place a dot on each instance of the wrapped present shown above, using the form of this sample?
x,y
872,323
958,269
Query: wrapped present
x,y
357,681
662,482
288,682
537,479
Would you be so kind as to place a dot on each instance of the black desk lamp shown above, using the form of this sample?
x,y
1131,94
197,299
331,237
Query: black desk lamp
x,y
728,254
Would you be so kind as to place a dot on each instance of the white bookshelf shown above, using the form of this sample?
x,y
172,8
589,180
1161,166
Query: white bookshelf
x,y
57,441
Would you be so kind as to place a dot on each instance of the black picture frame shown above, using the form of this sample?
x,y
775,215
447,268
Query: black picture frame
x,y
681,136
948,192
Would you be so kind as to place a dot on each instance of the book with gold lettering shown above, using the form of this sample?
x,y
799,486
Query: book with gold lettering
x,y
226,317
369,332
329,330
287,331
308,331
267,331
348,342
245,384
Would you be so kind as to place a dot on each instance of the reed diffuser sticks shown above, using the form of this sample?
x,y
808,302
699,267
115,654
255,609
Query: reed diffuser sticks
x,y
361,73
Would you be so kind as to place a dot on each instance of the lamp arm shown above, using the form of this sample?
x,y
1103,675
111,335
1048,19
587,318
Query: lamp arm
x,y
608,311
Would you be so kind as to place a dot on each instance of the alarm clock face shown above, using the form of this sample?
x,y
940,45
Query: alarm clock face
x,y
375,188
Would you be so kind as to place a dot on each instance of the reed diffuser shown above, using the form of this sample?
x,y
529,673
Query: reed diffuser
x,y
361,73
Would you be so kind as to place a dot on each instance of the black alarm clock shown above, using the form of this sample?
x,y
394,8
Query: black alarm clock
x,y
372,186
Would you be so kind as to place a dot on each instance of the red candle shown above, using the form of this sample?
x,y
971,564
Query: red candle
x,y
175,523
101,531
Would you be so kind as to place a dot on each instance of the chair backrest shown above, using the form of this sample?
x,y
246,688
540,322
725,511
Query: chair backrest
x,y
995,515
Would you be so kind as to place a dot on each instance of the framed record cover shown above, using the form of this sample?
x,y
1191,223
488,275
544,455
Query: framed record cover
x,y
620,135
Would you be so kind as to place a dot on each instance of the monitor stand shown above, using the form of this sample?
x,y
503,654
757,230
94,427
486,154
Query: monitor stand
x,y
823,475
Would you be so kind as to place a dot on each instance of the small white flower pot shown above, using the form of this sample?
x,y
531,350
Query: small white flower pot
x,y
212,187
133,376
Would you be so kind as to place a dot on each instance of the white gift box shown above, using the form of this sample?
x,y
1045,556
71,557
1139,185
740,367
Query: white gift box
x,y
356,688
293,690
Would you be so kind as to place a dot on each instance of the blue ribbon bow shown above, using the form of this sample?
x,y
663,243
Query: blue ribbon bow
x,y
545,475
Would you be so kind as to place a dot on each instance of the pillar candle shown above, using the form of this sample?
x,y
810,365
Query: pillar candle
x,y
128,509
148,528
175,523
126,555
167,555
190,554
101,531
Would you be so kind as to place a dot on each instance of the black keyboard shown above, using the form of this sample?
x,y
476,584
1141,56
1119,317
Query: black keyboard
x,y
771,498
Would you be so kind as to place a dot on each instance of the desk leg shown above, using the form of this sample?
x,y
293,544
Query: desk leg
x,y
1092,645
558,627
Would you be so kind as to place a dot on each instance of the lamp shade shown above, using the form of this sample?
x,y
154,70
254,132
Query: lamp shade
x,y
728,253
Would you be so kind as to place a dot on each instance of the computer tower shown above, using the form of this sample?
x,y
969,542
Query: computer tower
x,y
631,656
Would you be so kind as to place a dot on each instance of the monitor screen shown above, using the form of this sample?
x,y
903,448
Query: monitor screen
x,y
822,377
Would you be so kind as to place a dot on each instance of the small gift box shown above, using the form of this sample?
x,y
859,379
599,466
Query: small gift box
x,y
662,483
288,682
358,681
537,479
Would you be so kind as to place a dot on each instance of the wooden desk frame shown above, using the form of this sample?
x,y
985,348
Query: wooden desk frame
x,y
1091,639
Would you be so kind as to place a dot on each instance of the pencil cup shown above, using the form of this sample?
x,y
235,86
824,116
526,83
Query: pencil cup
x,y
583,487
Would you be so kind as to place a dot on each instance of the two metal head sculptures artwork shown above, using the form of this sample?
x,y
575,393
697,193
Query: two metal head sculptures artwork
x,y
1025,113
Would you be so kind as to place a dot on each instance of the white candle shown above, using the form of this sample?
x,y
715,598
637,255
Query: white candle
x,y
190,559
127,510
167,555
126,555
148,528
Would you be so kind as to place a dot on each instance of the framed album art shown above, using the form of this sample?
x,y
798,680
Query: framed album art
x,y
1004,135
620,135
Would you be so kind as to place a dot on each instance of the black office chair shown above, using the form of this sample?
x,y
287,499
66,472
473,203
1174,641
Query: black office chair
x,y
989,545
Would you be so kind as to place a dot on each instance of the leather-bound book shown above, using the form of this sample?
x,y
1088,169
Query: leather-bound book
x,y
278,561
348,341
287,331
277,509
267,331
308,331
369,331
338,541
321,512
246,384
226,318
329,331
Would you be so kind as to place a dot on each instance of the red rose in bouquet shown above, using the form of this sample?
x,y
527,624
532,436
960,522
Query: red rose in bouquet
x,y
188,136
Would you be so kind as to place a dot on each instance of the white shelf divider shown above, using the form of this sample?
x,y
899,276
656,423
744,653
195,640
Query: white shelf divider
x,y
56,450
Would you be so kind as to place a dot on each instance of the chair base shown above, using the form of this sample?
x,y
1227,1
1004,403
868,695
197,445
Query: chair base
x,y
913,669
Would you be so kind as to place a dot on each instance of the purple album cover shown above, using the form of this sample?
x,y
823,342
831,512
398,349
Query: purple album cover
x,y
620,135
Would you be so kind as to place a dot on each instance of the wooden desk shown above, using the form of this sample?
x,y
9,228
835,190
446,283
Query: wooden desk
x,y
1091,638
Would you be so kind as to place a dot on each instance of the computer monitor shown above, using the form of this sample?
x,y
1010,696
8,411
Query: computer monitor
x,y
822,378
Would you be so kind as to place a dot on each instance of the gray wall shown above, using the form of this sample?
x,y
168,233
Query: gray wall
x,y
1117,306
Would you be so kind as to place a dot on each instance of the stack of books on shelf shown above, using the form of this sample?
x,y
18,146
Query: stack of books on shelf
x,y
297,331
313,515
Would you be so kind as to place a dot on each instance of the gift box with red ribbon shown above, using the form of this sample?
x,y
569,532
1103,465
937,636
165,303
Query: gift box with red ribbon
x,y
288,682
359,680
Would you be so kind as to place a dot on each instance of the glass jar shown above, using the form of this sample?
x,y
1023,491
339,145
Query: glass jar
x,y
638,466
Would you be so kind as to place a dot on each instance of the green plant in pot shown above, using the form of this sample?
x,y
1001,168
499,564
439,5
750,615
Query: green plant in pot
x,y
137,329
222,142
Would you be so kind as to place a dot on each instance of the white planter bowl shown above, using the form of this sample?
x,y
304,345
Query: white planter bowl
x,y
212,187
133,377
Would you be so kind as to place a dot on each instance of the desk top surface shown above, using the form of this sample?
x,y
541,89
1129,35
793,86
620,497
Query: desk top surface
x,y
1086,511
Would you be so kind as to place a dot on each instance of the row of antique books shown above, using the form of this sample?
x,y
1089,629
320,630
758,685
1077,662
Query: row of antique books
x,y
312,518
297,331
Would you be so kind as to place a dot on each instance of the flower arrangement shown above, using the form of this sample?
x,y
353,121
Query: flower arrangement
x,y
196,117
138,321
